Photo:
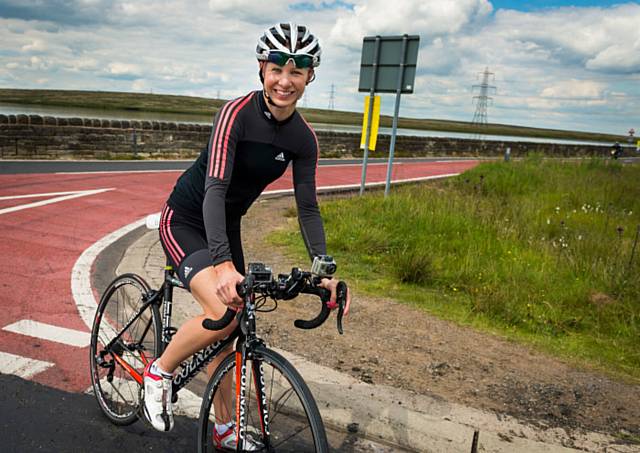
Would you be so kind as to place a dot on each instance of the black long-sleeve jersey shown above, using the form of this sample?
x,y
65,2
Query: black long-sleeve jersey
x,y
248,149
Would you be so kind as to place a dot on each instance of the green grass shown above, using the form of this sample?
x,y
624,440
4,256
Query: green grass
x,y
539,251
204,108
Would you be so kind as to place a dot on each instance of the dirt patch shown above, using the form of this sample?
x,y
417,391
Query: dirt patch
x,y
601,300
389,343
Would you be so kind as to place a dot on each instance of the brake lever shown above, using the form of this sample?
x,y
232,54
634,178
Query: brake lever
x,y
341,298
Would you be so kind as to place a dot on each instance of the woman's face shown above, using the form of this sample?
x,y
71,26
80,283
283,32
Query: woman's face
x,y
285,84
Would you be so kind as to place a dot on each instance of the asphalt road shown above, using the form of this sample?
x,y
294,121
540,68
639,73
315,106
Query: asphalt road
x,y
34,417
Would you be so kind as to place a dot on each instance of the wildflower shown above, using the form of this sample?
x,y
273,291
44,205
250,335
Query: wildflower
x,y
548,221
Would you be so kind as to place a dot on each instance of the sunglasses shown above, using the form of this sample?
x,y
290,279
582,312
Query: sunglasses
x,y
282,58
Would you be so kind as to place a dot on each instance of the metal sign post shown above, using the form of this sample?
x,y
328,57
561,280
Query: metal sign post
x,y
372,93
388,65
394,128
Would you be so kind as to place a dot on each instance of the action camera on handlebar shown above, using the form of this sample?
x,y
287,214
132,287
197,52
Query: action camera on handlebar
x,y
323,266
260,272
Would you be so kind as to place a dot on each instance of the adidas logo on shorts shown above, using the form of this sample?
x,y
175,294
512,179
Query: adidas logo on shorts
x,y
280,157
187,271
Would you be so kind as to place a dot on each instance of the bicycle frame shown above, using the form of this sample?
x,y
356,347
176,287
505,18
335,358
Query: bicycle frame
x,y
198,360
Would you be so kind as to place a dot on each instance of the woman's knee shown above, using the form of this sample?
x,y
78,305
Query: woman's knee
x,y
202,289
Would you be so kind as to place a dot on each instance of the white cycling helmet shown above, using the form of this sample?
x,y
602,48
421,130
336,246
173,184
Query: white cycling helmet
x,y
286,41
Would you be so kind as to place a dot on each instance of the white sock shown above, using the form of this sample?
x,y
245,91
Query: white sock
x,y
222,428
155,369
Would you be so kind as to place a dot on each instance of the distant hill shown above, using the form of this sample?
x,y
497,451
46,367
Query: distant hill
x,y
164,103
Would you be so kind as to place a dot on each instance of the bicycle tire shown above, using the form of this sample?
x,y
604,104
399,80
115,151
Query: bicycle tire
x,y
116,390
295,424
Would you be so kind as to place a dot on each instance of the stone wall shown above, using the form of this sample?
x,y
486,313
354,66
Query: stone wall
x,y
33,136
37,137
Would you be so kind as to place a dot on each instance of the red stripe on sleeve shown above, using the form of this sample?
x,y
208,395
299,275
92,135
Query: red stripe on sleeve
x,y
222,157
216,135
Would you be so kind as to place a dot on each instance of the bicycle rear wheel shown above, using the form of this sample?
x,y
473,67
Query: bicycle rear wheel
x,y
117,366
293,421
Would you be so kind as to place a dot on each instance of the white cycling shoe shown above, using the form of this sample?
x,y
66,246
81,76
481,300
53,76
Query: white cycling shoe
x,y
157,400
228,439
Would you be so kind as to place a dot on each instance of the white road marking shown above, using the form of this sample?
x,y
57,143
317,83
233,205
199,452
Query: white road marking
x,y
81,272
49,332
369,184
66,196
21,366
34,195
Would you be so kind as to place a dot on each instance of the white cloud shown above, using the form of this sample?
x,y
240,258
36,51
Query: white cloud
x,y
251,11
37,45
596,38
571,89
429,18
620,58
84,64
119,68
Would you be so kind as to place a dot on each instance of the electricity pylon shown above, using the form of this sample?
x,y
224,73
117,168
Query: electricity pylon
x,y
332,97
483,99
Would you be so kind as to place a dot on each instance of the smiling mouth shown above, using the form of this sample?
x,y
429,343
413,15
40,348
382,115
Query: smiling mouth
x,y
284,94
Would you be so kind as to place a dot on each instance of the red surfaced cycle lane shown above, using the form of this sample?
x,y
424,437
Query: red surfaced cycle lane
x,y
40,245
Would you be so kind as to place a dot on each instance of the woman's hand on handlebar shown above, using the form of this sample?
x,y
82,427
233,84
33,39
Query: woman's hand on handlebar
x,y
331,285
227,277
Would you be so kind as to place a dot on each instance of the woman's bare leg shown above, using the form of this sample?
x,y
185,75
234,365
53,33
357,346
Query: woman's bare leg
x,y
191,337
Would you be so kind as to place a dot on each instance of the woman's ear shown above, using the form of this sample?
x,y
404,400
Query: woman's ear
x,y
311,76
261,65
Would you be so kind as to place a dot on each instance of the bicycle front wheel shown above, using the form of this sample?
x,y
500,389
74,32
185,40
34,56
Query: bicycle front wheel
x,y
280,412
118,355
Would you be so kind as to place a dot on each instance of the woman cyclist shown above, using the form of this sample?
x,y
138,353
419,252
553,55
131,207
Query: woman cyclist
x,y
253,140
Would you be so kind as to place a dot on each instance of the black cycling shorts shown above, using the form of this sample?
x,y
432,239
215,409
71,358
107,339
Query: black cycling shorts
x,y
184,241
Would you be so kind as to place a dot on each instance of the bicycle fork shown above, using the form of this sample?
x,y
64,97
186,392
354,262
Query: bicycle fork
x,y
257,374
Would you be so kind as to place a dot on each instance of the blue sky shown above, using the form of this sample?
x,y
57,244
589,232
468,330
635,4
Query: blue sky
x,y
566,68
541,4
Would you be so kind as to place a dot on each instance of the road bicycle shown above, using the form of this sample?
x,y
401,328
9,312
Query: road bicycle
x,y
268,400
